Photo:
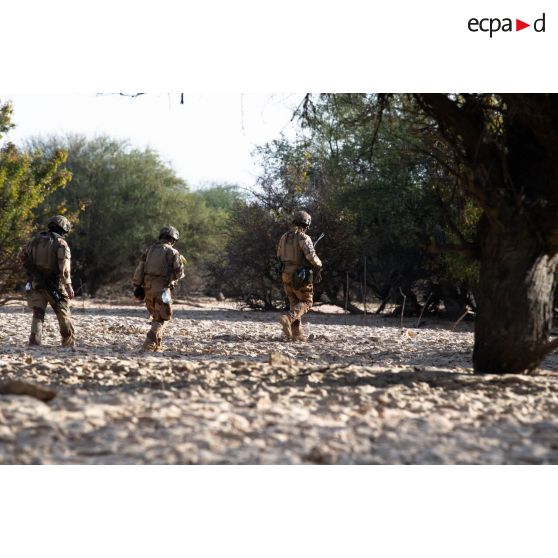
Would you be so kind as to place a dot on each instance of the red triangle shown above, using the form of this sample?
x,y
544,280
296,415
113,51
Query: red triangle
x,y
519,25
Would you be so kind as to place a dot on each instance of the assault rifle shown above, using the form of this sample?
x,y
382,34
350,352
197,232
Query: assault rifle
x,y
45,281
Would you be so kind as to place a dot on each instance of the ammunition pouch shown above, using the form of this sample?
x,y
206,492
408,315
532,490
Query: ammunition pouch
x,y
302,276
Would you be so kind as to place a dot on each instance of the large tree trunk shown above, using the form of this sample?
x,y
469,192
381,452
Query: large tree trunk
x,y
515,296
510,162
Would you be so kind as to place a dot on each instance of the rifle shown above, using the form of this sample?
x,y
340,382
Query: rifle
x,y
305,275
46,281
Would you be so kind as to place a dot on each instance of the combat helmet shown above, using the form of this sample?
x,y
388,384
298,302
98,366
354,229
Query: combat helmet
x,y
302,219
60,222
171,232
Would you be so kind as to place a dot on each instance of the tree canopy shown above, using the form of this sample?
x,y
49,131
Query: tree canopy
x,y
122,197
376,180
26,180
447,198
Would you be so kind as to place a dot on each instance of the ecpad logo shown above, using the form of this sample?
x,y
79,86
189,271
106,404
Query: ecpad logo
x,y
492,25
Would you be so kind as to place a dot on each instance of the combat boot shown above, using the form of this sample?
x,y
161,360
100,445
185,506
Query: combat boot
x,y
285,322
152,340
34,341
66,326
150,346
36,337
298,334
157,330
69,341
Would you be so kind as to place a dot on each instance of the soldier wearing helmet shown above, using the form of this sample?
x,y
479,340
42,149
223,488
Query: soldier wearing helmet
x,y
296,252
47,259
160,267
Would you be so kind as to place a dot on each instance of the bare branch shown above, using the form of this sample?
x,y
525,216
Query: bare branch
x,y
131,95
402,306
459,128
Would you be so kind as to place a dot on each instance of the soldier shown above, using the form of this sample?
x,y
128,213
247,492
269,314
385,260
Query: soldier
x,y
300,261
160,267
47,260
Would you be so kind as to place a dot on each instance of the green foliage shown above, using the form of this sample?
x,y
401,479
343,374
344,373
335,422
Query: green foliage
x,y
373,171
379,182
248,268
124,196
6,123
26,180
220,198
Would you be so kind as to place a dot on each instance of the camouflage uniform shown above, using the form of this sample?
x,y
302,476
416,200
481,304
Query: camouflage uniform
x,y
160,267
50,254
296,250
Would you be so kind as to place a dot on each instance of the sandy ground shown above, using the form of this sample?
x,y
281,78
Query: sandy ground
x,y
230,389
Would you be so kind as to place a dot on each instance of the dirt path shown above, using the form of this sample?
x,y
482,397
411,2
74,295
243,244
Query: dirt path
x,y
229,389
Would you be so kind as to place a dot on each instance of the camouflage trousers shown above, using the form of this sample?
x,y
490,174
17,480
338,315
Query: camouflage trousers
x,y
160,312
300,300
38,299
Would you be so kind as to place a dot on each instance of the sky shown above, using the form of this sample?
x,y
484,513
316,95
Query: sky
x,y
208,139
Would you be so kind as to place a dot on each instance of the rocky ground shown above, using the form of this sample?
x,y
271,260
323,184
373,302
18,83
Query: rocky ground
x,y
229,389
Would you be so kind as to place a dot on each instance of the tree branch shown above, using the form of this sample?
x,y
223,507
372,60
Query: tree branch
x,y
538,113
456,125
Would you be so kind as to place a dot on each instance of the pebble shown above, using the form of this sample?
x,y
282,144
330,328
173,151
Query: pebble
x,y
230,389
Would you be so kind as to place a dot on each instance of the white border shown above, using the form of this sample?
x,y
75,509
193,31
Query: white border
x,y
254,46
255,511
240,45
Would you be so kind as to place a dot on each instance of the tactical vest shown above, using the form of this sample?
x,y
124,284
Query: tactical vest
x,y
156,263
43,252
289,250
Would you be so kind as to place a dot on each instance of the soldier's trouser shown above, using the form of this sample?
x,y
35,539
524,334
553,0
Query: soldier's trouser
x,y
160,313
38,299
300,300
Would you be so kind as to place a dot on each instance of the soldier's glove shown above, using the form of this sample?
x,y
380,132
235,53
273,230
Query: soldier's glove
x,y
318,276
139,292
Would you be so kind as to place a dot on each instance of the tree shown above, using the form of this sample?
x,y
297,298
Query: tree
x,y
220,198
500,150
248,268
381,189
123,196
508,148
26,180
